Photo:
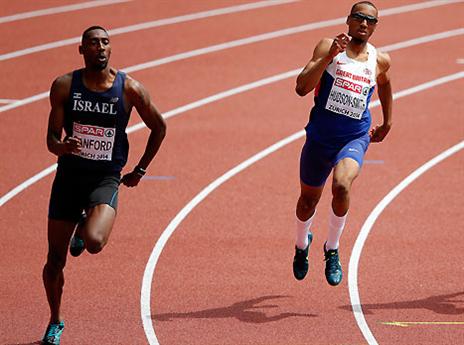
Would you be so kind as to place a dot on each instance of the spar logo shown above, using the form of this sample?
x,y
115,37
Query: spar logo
x,y
348,85
94,130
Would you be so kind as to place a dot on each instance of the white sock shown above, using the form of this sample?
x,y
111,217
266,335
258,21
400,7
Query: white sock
x,y
302,228
336,225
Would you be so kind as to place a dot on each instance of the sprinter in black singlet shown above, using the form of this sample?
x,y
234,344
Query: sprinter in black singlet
x,y
92,105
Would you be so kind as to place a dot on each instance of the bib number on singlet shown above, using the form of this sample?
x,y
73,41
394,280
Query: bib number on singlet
x,y
97,142
347,98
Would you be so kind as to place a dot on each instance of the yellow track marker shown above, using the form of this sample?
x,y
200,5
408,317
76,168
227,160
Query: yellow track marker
x,y
418,323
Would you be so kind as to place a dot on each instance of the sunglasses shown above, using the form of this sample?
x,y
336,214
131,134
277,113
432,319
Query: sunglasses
x,y
359,17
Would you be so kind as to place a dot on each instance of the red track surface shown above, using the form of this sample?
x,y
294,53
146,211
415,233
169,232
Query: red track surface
x,y
224,277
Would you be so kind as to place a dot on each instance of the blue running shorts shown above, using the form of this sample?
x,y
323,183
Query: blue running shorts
x,y
317,160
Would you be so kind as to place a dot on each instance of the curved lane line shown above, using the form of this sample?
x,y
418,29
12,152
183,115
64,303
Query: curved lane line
x,y
145,298
365,230
147,25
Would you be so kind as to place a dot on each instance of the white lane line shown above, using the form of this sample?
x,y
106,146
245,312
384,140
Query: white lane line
x,y
148,25
145,298
24,101
240,42
29,182
425,39
7,101
18,189
365,230
59,9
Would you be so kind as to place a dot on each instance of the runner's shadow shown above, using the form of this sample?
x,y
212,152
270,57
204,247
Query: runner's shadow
x,y
441,304
246,311
33,343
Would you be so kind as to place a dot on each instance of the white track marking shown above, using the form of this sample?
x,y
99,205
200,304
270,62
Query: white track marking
x,y
365,230
6,101
59,9
148,25
24,101
219,96
236,43
189,17
29,182
145,299
425,39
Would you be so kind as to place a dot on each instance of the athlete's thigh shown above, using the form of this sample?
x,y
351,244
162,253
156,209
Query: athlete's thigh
x,y
99,222
346,171
316,163
350,158
105,191
66,198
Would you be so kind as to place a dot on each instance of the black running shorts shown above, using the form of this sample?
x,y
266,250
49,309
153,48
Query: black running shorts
x,y
72,193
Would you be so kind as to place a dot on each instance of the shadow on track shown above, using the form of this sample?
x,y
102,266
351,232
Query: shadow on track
x,y
441,304
245,311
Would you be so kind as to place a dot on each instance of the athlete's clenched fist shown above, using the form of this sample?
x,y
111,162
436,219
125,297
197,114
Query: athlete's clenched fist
x,y
339,44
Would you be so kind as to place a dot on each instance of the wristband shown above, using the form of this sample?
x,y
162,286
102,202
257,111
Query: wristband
x,y
139,171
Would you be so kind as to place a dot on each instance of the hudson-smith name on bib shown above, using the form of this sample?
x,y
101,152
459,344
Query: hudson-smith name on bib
x,y
349,97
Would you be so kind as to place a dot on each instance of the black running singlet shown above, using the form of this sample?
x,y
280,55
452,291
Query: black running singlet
x,y
99,120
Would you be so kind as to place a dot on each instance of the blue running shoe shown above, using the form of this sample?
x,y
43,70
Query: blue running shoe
x,y
53,334
300,260
77,245
333,268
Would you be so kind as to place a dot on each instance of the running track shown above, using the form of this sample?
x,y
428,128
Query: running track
x,y
203,255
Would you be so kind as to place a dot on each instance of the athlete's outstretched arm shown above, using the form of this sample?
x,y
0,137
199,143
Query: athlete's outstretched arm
x,y
323,54
378,133
138,96
59,93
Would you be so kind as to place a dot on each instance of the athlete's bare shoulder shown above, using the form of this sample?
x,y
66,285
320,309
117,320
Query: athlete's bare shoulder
x,y
322,48
63,80
325,43
61,86
383,62
132,87
135,93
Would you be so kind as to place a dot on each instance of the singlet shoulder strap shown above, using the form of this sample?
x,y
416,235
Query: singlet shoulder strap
x,y
76,79
119,81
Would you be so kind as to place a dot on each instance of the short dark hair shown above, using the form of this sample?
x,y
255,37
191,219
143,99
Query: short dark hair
x,y
362,3
91,28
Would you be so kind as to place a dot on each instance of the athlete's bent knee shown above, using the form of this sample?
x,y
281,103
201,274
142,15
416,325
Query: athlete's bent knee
x,y
306,203
94,245
340,189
